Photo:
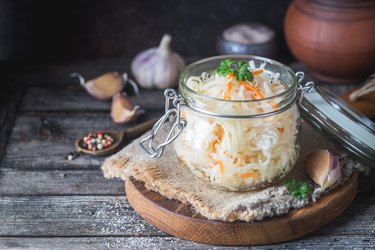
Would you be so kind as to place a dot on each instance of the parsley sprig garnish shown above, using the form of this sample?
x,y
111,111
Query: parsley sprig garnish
x,y
299,190
239,70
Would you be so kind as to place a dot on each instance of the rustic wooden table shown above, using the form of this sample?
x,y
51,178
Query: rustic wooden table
x,y
49,202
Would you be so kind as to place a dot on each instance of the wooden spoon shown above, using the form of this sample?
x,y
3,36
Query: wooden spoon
x,y
118,138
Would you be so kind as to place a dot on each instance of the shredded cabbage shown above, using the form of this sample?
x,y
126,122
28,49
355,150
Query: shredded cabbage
x,y
233,153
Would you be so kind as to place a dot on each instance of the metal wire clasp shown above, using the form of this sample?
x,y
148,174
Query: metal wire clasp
x,y
172,112
303,89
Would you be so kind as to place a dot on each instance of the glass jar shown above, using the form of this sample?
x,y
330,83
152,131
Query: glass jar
x,y
241,145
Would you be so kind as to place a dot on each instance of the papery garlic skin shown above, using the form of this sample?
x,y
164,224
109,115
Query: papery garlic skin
x,y
158,67
323,167
123,110
104,86
334,172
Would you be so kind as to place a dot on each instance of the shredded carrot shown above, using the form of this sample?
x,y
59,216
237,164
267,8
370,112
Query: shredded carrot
x,y
221,167
281,130
255,90
227,92
275,105
249,158
257,72
230,75
251,174
212,146
219,132
183,114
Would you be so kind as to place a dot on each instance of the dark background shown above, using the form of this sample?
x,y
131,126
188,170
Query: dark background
x,y
55,31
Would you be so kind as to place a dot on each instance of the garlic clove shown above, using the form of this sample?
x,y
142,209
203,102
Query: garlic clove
x,y
323,167
123,110
158,67
104,86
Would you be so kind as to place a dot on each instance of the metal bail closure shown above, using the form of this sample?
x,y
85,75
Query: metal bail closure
x,y
171,113
303,89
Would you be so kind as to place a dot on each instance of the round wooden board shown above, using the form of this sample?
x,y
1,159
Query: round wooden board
x,y
179,220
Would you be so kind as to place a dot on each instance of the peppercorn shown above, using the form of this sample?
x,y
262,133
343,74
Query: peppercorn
x,y
97,141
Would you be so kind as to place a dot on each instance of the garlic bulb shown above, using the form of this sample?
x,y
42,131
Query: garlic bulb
x,y
158,67
323,167
123,110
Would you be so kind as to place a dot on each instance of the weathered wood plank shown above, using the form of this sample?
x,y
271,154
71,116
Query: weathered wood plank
x,y
57,182
99,243
112,215
186,224
45,154
66,125
73,97
366,185
84,182
9,101
312,242
59,73
357,219
43,140
71,216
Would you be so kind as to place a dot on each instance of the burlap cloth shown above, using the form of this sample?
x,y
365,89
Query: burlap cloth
x,y
166,176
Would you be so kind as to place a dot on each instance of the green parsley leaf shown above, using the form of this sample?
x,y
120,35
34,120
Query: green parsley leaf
x,y
239,70
243,72
225,67
299,191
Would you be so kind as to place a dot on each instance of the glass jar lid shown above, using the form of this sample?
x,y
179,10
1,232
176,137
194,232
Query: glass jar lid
x,y
341,124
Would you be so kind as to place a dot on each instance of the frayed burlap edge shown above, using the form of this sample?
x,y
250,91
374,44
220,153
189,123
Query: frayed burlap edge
x,y
148,173
119,166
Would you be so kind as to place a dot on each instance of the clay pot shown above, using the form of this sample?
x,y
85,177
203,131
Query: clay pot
x,y
335,39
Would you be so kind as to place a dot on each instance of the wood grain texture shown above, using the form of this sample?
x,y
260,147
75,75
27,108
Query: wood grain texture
x,y
71,216
100,243
60,125
57,182
73,97
47,202
112,216
43,140
9,101
158,242
58,74
179,220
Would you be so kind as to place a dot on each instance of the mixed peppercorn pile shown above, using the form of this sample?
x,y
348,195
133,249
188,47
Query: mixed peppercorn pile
x,y
97,141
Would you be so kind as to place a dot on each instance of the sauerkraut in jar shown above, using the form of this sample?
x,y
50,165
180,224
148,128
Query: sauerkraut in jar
x,y
242,121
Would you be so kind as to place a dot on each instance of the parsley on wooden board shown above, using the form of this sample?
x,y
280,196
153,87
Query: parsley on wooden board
x,y
299,191
240,70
